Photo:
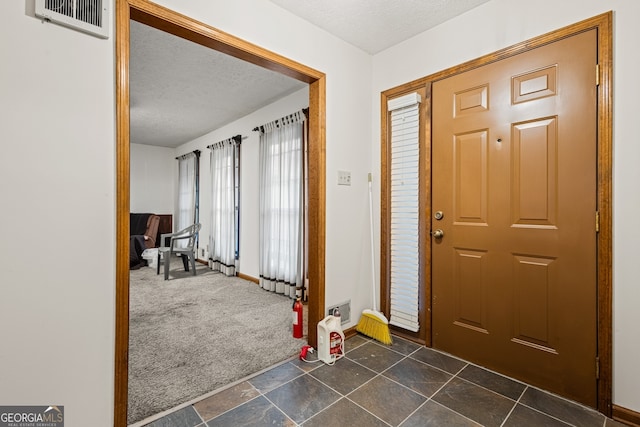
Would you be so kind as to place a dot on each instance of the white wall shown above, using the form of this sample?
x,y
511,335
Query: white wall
x,y
57,181
249,209
501,23
153,177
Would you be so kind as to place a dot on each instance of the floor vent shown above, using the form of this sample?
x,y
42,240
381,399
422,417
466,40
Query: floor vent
x,y
89,16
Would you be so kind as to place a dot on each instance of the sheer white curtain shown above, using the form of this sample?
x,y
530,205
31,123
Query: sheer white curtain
x,y
222,240
187,177
281,204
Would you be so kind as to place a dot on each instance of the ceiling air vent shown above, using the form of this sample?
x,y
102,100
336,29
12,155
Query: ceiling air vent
x,y
90,16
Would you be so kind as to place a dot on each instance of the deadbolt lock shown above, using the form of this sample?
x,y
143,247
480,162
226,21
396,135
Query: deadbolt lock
x,y
438,215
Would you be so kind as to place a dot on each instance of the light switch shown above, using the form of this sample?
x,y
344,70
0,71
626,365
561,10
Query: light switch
x,y
344,178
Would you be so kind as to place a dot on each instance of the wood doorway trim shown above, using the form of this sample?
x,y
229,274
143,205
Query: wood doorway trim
x,y
167,20
603,24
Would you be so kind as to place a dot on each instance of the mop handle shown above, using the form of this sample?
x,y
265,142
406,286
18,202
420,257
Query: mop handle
x,y
373,270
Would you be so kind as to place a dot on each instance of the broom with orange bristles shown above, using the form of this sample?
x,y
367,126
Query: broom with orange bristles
x,y
373,323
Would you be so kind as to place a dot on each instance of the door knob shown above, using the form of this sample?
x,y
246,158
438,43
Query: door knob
x,y
438,234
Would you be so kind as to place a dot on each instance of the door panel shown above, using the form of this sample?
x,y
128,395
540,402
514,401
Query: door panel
x,y
470,177
468,267
534,190
514,172
532,288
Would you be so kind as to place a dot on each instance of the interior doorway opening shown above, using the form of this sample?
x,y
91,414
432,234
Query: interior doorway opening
x,y
164,19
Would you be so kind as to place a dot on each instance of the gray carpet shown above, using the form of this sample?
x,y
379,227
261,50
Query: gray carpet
x,y
191,335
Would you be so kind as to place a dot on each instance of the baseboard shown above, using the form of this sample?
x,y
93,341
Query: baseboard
x,y
247,277
238,274
349,332
626,416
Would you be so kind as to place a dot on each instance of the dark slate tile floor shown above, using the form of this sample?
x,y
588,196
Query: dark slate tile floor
x,y
376,385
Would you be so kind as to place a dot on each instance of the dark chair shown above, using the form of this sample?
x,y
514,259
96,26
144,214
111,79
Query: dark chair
x,y
187,252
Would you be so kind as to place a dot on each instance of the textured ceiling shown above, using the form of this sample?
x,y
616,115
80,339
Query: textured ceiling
x,y
374,25
180,90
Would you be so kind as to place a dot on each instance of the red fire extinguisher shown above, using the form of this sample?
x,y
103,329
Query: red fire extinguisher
x,y
297,318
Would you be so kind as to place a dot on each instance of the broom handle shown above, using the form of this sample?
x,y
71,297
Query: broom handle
x,y
373,269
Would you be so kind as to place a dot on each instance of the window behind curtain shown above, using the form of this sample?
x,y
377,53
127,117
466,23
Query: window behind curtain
x,y
225,192
188,171
282,204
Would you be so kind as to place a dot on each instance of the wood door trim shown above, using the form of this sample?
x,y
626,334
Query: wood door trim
x,y
603,24
182,26
604,205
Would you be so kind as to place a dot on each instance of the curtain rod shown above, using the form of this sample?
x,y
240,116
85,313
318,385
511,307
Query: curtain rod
x,y
196,152
238,139
261,128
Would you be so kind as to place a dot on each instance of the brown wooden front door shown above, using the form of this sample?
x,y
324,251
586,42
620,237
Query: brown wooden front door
x,y
514,176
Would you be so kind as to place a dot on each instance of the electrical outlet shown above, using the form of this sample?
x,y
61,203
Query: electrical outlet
x,y
344,178
344,309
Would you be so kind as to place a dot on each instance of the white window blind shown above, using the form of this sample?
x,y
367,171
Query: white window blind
x,y
404,186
